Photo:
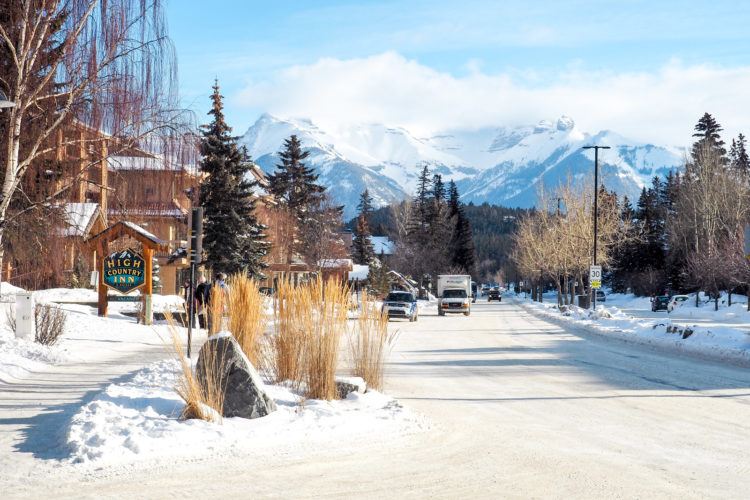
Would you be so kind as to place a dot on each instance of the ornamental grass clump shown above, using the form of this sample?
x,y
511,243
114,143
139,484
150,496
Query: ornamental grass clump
x,y
247,319
369,343
310,320
288,341
325,323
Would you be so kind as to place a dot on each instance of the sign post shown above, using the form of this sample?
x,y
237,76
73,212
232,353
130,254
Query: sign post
x,y
126,270
595,281
196,256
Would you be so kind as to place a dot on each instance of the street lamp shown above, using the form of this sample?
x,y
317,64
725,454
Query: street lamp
x,y
4,102
596,202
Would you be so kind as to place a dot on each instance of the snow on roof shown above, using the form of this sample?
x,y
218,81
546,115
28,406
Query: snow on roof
x,y
333,263
138,229
171,209
79,218
359,272
148,162
382,244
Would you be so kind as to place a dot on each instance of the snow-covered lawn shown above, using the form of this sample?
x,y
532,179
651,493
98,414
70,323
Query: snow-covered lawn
x,y
138,419
723,335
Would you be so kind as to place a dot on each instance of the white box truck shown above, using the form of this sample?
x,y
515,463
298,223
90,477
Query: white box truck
x,y
454,294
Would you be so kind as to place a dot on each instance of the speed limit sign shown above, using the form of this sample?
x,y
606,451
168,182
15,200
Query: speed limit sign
x,y
595,276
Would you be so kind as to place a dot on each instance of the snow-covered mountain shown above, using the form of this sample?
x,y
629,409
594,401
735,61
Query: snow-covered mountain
x,y
502,165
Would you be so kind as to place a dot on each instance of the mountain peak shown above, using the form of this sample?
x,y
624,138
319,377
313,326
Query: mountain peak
x,y
565,123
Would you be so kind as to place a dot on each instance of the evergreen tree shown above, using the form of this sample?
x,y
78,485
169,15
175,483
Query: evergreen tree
x,y
453,200
462,244
365,205
420,214
293,183
462,253
233,238
707,131
362,250
738,157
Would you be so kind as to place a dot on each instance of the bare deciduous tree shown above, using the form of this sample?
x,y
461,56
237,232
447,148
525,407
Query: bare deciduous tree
x,y
106,66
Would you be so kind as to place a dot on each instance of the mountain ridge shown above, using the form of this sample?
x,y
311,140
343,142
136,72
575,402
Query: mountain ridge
x,y
500,165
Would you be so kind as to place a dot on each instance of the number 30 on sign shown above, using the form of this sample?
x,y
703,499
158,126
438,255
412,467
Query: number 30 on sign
x,y
595,276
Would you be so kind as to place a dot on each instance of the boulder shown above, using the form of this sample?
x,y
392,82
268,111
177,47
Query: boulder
x,y
245,394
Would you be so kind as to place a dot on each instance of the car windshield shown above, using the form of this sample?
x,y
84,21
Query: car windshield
x,y
400,297
454,294
662,298
680,299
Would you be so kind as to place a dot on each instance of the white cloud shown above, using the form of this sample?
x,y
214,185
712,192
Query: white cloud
x,y
659,107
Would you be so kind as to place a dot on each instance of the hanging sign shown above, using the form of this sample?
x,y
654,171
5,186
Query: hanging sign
x,y
124,271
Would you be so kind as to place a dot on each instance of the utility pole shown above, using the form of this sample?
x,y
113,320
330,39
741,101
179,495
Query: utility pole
x,y
596,205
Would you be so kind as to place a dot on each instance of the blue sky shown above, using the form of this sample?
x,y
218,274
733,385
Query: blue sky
x,y
539,58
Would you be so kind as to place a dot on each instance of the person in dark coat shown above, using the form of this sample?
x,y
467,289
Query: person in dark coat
x,y
201,300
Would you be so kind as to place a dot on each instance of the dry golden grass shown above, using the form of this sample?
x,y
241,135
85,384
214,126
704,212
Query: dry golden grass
x,y
247,320
288,342
310,320
325,324
201,402
217,307
369,344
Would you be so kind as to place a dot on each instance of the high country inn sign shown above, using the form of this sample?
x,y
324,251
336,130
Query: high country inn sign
x,y
124,271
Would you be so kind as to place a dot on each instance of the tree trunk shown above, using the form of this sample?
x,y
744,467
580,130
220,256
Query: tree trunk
x,y
729,303
716,301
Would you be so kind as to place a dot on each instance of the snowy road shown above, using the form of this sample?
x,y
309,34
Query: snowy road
x,y
518,407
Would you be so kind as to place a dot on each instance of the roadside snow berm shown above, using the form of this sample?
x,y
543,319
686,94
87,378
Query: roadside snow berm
x,y
221,361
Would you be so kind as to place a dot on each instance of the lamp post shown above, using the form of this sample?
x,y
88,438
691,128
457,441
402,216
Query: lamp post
x,y
596,203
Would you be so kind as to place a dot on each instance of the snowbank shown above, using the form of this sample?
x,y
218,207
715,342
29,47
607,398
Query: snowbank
x,y
138,419
711,342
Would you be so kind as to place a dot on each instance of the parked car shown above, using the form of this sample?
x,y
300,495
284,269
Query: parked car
x,y
494,294
266,290
676,301
601,296
660,303
401,305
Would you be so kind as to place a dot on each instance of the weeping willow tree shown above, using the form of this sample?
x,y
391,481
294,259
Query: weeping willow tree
x,y
104,66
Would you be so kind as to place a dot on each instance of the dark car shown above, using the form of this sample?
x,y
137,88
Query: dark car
x,y
660,303
494,294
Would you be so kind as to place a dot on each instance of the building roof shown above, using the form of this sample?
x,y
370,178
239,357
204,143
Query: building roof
x,y
80,218
382,244
336,263
126,228
170,209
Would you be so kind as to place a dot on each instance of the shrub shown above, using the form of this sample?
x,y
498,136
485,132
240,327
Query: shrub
x,y
50,323
369,342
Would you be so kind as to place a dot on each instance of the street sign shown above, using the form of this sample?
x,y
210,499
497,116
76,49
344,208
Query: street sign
x,y
124,271
595,276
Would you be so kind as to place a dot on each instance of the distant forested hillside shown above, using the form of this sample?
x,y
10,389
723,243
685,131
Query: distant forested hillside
x,y
492,228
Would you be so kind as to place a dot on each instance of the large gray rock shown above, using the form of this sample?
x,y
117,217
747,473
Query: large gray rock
x,y
245,395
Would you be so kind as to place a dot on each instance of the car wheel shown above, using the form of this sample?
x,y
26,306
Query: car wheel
x,y
467,313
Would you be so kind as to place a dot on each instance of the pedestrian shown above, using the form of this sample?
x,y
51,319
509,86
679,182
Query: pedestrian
x,y
201,300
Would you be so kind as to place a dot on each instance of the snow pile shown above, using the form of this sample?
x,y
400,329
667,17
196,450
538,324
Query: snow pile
x,y
138,419
19,357
715,342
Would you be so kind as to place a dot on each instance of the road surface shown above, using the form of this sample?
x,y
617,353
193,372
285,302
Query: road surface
x,y
518,407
